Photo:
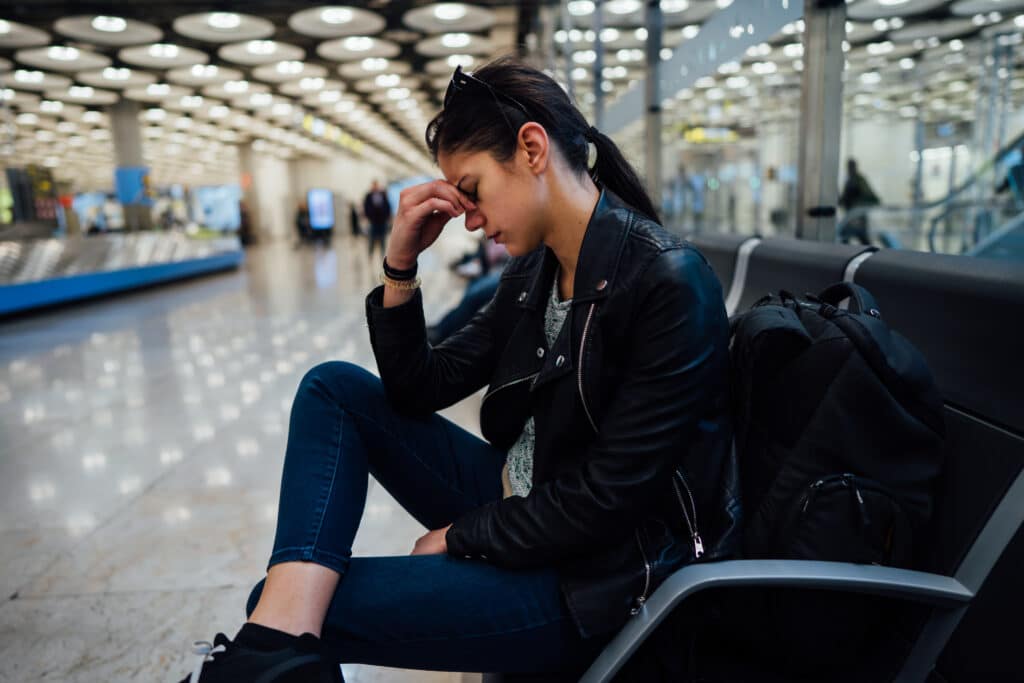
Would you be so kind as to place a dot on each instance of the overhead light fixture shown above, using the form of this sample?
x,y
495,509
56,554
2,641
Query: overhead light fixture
x,y
330,95
290,67
219,112
609,34
26,76
5,27
261,99
92,116
158,89
109,24
358,43
336,15
163,51
309,83
690,32
623,6
82,91
204,70
224,21
456,40
63,53
448,11
117,73
281,109
673,6
51,106
374,64
388,80
465,61
261,47
191,101
236,87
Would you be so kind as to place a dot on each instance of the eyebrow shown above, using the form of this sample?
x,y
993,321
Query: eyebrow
x,y
458,185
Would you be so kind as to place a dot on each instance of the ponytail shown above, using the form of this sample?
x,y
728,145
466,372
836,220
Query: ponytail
x,y
612,171
531,95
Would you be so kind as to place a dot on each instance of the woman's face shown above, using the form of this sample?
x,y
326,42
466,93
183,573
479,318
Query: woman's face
x,y
508,197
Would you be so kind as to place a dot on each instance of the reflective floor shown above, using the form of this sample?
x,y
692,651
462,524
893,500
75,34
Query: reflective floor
x,y
141,441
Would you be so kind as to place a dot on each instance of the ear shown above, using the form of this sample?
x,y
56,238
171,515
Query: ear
x,y
535,145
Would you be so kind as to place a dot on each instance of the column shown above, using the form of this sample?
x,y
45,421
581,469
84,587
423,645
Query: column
x,y
821,110
652,97
131,175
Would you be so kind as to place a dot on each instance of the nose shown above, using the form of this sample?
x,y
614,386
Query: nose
x,y
474,220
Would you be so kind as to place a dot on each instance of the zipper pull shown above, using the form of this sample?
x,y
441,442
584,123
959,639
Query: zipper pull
x,y
698,545
862,508
639,606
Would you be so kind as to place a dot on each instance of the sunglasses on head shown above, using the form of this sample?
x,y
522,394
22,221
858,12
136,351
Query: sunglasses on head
x,y
463,82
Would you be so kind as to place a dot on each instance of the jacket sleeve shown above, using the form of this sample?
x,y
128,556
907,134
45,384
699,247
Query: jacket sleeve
x,y
419,379
677,361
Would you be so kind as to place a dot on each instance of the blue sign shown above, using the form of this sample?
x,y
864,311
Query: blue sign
x,y
321,209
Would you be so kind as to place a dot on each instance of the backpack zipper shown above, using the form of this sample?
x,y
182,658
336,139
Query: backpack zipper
x,y
698,543
583,344
647,577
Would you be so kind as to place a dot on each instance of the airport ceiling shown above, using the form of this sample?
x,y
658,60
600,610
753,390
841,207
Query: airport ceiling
x,y
212,74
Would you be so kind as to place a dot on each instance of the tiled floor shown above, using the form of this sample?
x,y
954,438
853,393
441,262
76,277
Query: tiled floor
x,y
141,441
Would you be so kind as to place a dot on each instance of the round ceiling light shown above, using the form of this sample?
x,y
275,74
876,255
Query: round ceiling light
x,y
224,21
109,24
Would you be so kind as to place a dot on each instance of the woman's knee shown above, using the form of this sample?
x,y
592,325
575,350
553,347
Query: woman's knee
x,y
340,381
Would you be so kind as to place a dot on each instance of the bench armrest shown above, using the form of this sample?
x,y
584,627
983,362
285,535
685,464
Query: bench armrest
x,y
904,584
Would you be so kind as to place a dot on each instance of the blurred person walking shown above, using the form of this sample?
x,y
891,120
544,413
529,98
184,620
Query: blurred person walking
x,y
377,210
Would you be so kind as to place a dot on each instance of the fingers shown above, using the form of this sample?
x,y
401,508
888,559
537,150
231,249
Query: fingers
x,y
442,189
431,206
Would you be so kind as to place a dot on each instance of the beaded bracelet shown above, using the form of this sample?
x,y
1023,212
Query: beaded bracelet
x,y
396,274
401,285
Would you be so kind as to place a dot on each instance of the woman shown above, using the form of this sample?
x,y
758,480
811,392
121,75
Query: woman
x,y
607,462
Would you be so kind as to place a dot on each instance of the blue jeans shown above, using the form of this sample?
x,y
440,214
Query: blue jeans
x,y
417,612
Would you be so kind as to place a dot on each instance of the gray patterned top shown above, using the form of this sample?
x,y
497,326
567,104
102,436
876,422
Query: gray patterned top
x,y
517,478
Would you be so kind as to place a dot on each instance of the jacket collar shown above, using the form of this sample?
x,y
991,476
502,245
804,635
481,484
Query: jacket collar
x,y
599,255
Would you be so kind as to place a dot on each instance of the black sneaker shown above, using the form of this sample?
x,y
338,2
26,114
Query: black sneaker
x,y
224,661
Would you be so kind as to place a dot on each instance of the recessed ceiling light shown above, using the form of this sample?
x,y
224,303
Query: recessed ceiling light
x,y
5,27
289,67
191,101
261,99
63,53
455,40
109,24
51,106
26,76
330,96
163,51
117,74
81,91
336,15
623,6
236,86
92,116
204,70
460,60
358,43
224,20
374,64
449,11
311,83
219,111
388,80
158,89
261,47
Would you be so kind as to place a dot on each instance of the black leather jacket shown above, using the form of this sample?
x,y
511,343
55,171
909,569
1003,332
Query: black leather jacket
x,y
633,467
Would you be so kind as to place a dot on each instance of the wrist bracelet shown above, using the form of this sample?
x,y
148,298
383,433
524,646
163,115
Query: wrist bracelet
x,y
396,274
401,285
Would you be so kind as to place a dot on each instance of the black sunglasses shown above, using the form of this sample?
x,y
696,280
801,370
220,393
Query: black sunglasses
x,y
464,82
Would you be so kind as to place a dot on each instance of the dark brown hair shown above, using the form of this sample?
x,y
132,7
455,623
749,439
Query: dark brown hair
x,y
477,121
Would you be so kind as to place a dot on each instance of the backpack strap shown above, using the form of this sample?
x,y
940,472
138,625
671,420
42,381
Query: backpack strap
x,y
861,300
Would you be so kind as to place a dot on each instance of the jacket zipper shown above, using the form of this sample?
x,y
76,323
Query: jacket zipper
x,y
698,543
647,577
508,384
583,344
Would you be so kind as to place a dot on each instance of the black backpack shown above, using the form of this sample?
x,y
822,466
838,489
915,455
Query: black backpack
x,y
839,435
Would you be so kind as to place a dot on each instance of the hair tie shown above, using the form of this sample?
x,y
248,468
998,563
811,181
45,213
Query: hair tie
x,y
592,133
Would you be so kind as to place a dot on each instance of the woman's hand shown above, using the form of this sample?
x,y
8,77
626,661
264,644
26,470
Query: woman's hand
x,y
432,543
423,211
